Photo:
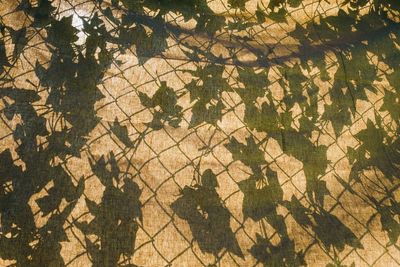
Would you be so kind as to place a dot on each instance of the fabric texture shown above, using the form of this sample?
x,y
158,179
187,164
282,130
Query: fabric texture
x,y
199,133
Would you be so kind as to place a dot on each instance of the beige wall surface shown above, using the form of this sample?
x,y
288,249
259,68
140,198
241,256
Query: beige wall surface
x,y
199,133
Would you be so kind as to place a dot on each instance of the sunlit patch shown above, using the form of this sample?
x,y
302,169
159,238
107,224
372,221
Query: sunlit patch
x,y
77,22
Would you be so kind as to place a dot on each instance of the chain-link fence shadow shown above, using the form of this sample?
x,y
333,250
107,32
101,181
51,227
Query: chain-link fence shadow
x,y
219,133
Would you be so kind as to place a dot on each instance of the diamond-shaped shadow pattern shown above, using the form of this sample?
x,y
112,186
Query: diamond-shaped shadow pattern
x,y
199,133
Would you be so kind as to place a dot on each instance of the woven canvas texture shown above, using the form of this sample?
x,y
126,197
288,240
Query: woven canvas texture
x,y
199,133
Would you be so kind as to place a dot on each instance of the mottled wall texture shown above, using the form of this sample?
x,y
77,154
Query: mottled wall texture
x,y
199,133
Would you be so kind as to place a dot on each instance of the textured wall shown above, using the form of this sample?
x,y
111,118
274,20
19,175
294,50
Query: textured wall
x,y
195,133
